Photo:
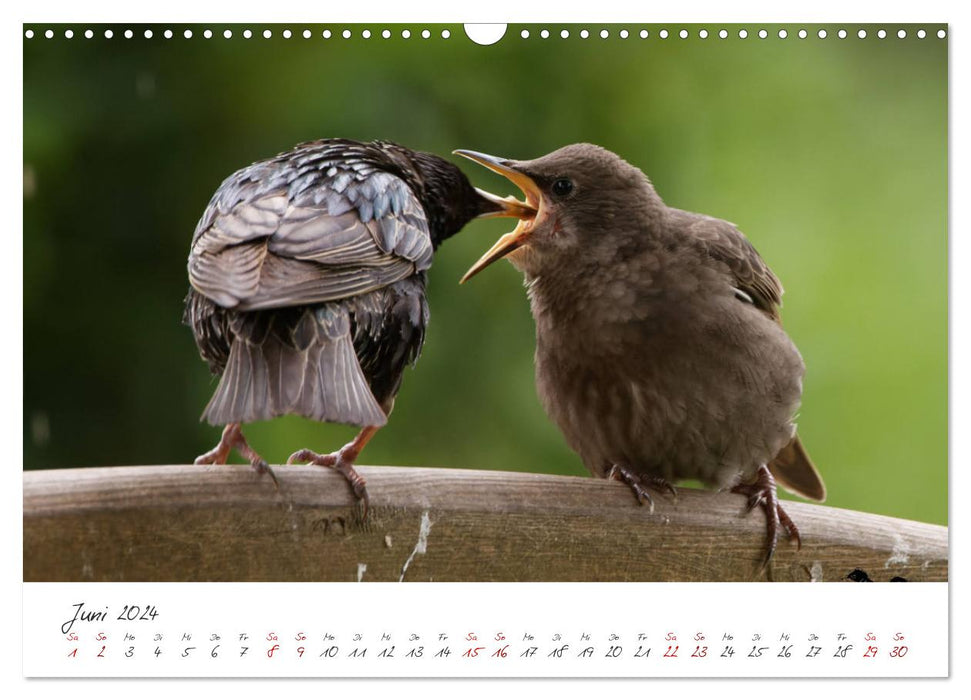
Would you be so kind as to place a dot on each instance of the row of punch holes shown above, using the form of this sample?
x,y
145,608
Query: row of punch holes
x,y
489,34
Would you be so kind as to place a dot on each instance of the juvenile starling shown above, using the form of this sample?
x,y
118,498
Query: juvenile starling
x,y
660,352
308,286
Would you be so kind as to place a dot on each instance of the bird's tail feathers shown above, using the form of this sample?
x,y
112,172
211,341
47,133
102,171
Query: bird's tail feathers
x,y
313,372
795,472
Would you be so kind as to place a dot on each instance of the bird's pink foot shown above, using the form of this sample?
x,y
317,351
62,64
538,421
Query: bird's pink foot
x,y
335,461
232,437
640,483
763,492
342,461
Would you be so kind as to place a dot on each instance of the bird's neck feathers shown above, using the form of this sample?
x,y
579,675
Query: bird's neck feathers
x,y
562,294
606,265
447,196
600,235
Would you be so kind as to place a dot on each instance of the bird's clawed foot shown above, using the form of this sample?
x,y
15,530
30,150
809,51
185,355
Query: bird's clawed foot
x,y
232,437
343,462
640,483
763,492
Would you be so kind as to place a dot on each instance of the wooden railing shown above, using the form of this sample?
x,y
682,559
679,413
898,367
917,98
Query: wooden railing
x,y
226,523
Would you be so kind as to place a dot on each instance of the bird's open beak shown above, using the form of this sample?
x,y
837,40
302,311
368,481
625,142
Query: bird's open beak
x,y
527,212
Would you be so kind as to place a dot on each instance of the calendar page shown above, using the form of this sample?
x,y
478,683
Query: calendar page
x,y
494,630
552,349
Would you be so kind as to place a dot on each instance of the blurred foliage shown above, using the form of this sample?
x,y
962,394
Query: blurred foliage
x,y
830,154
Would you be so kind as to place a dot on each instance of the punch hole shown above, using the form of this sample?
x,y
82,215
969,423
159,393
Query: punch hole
x,y
483,34
901,34
921,34
405,33
109,33
841,33
425,34
821,33
742,34
723,34
386,34
584,34
545,34
129,33
763,34
643,34
29,34
366,33
286,34
803,34
683,34
703,34
783,33
188,33
168,33
227,34
346,33
524,34
208,33
68,34
861,33
564,34
663,33
148,34
624,34
326,34
446,34
882,34
307,34
941,34
604,33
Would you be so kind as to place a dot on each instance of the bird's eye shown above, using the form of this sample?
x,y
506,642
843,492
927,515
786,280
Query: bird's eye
x,y
562,187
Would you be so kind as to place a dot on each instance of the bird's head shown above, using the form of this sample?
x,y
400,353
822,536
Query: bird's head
x,y
448,198
574,196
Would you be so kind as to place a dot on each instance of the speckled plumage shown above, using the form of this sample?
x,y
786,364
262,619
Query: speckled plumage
x,y
308,278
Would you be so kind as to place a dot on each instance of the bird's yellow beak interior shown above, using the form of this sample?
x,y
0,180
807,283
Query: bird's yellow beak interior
x,y
527,212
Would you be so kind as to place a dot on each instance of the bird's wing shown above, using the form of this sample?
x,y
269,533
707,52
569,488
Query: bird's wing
x,y
755,283
305,229
752,277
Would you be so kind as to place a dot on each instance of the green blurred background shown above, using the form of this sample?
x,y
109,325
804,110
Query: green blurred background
x,y
831,155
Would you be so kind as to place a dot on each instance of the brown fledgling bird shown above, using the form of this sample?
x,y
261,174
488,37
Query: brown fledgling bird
x,y
308,276
660,352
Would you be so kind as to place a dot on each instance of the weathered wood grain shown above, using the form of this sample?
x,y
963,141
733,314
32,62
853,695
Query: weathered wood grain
x,y
225,523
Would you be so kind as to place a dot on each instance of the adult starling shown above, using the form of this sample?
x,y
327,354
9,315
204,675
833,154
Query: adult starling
x,y
660,352
308,286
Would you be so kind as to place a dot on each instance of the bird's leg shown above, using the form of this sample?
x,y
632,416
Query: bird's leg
x,y
659,483
233,438
343,461
639,483
763,492
630,478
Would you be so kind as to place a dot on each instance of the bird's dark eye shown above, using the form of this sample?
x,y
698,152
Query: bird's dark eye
x,y
562,187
